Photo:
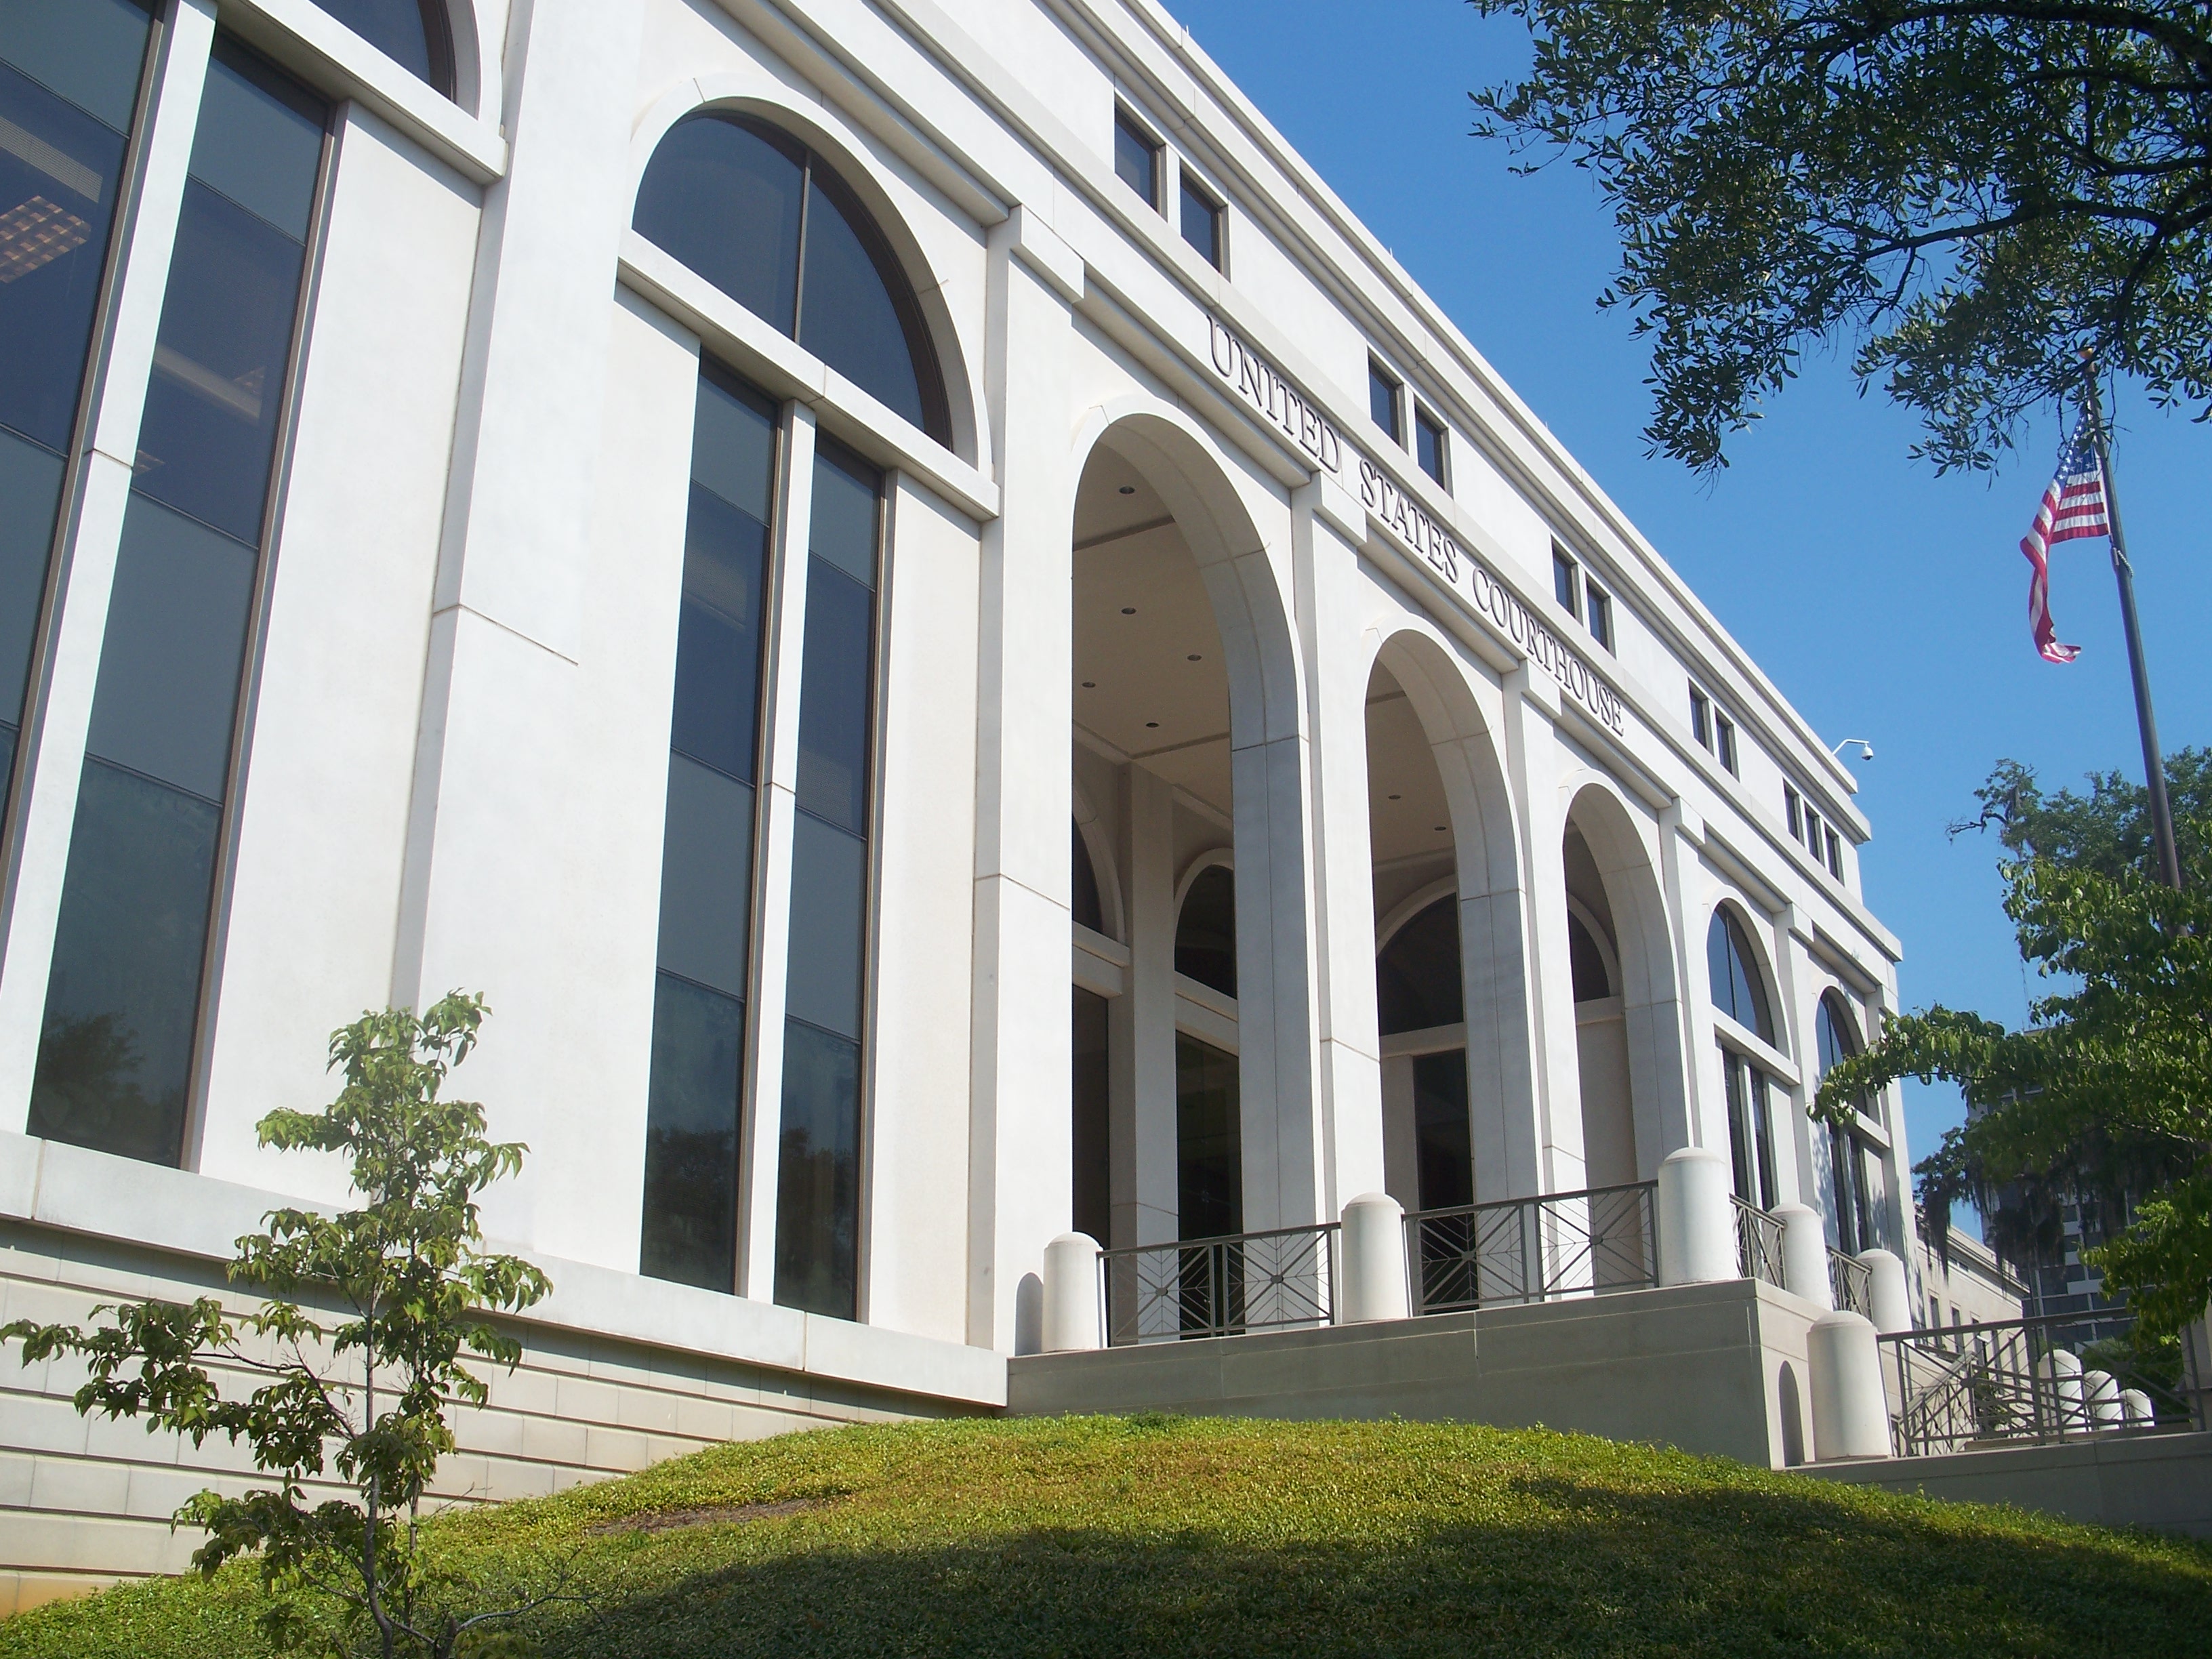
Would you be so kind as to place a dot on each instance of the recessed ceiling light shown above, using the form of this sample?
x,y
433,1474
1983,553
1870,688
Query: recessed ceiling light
x,y
1128,609
1152,726
1194,656
1440,828
1090,685
1128,490
1397,797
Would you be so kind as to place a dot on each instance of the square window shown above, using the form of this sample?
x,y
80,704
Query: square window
x,y
1137,157
1794,810
1567,583
1429,444
1701,718
1600,613
1724,731
1201,221
1386,400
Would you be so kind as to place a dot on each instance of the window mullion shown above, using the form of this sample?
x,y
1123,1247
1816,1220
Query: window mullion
x,y
764,1091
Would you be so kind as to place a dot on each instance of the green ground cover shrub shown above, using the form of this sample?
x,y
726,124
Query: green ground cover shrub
x,y
1160,1536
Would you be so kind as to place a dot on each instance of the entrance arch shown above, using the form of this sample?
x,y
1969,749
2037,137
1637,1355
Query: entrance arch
x,y
1186,714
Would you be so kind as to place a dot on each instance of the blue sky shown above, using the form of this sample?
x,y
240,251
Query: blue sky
x,y
1887,603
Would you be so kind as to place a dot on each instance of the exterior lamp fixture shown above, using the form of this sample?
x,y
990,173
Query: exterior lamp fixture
x,y
1866,749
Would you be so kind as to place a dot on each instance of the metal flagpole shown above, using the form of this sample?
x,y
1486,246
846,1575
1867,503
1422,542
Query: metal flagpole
x,y
2161,811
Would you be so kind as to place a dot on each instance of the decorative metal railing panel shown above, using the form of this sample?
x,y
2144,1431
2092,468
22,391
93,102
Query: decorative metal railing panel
x,y
1758,1243
1977,1385
1533,1250
1850,1282
1221,1286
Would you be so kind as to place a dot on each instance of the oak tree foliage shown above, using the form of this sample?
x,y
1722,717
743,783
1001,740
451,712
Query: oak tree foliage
x,y
355,1348
2103,1099
1969,193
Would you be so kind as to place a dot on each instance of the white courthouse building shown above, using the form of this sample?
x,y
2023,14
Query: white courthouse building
x,y
962,656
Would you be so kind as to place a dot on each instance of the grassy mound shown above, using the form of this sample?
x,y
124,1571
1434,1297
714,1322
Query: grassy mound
x,y
1160,1536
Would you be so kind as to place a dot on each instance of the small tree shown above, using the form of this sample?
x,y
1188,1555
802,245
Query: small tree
x,y
363,1395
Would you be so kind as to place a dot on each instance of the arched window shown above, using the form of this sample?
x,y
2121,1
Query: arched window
x,y
1586,960
769,222
1205,932
1088,908
1852,1155
1738,990
417,34
1417,983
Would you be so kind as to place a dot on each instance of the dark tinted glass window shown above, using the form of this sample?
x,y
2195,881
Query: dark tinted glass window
x,y
1592,982
693,1099
1724,742
1601,614
1205,932
724,196
817,1210
770,224
1384,397
123,1003
818,1204
1137,158
1565,586
691,1209
1443,1139
412,33
1201,222
1751,1131
1738,990
1417,974
1429,444
849,313
1092,1171
69,82
1701,717
1087,908
1209,1155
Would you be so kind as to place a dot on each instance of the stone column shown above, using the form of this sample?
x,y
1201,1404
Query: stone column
x,y
1145,1150
1021,1189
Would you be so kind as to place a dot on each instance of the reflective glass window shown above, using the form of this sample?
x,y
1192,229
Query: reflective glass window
x,y
69,72
1417,973
413,33
122,1014
694,1101
1092,1172
1201,221
1443,1137
1209,1142
1206,931
817,1218
770,224
1137,157
1429,445
1738,990
1751,1131
1386,401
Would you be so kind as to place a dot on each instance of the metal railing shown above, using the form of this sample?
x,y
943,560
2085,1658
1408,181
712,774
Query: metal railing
x,y
1850,1283
1221,1286
1533,1250
1758,1243
1974,1385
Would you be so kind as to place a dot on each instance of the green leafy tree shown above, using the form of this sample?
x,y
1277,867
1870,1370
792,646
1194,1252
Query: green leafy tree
x,y
1973,192
357,1339
2105,1097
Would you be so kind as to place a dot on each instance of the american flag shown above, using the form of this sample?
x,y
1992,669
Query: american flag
x,y
2073,506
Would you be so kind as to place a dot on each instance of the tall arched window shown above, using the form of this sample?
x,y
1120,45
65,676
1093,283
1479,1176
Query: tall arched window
x,y
1852,1155
770,223
417,34
1205,932
1740,992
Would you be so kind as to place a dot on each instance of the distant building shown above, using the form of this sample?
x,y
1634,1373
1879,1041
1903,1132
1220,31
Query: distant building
x,y
1973,1287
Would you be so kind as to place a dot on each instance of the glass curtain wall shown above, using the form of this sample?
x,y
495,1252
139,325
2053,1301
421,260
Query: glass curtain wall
x,y
700,992
818,1177
123,1008
70,74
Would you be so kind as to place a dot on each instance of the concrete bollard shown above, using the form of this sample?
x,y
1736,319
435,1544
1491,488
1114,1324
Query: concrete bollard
x,y
2100,1393
2062,1370
1805,1255
1696,1229
1071,1294
2136,1410
1373,1270
1891,1302
1850,1414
